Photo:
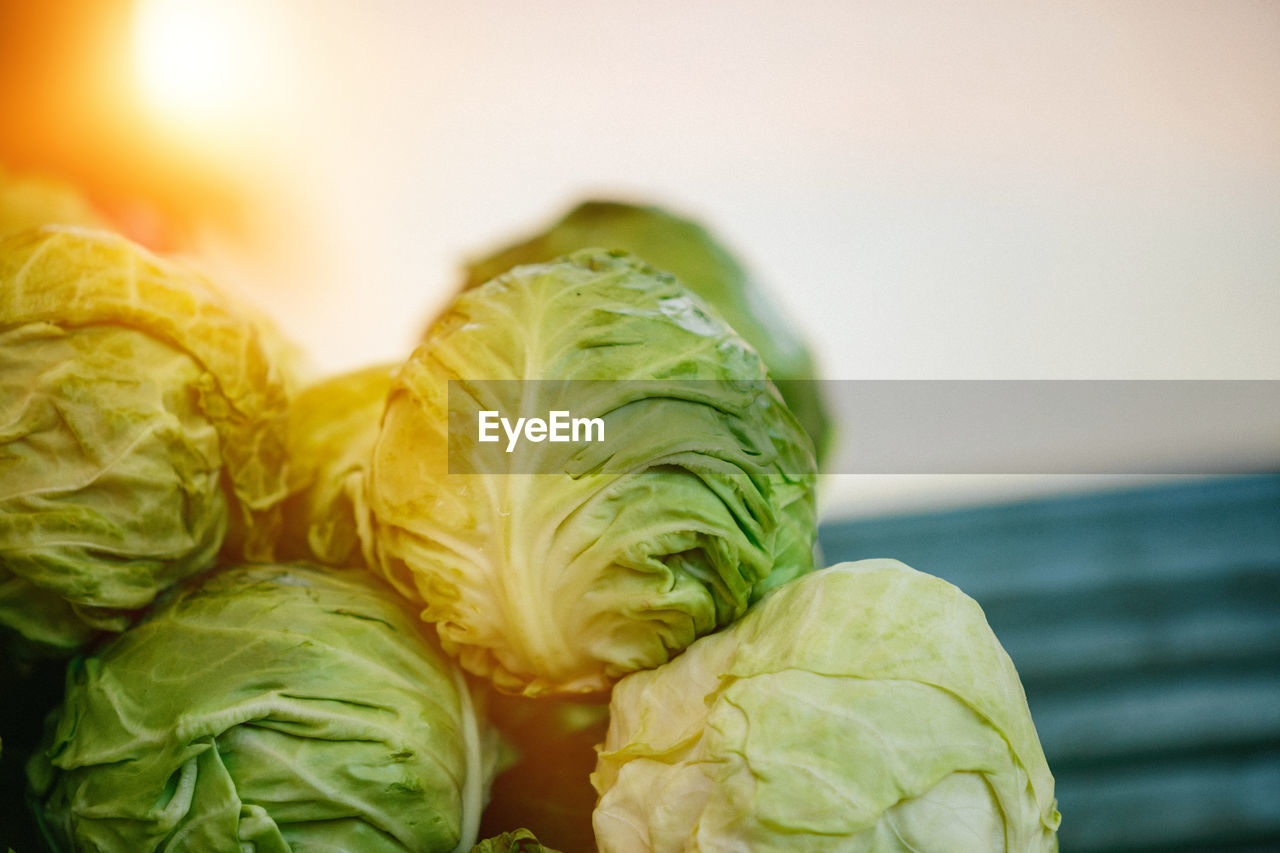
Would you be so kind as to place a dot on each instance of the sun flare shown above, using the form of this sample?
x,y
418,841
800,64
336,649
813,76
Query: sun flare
x,y
200,64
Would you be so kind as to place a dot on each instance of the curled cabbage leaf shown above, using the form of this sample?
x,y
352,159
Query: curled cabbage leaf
x,y
142,424
270,708
689,251
862,707
588,562
519,841
332,427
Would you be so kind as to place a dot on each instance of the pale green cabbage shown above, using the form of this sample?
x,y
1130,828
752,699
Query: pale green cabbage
x,y
111,476
610,558
701,261
864,707
142,424
332,427
270,708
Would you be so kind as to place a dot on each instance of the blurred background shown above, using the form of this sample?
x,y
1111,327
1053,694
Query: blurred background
x,y
978,190
1082,190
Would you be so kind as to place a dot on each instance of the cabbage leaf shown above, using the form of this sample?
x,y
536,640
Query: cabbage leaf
x,y
333,424
519,841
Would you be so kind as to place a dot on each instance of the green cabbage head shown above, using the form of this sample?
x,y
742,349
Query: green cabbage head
x,y
864,707
142,423
701,261
333,424
573,564
272,708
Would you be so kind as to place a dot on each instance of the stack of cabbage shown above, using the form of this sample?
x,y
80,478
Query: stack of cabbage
x,y
302,620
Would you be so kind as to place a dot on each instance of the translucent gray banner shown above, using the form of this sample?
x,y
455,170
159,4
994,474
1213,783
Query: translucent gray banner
x,y
1146,427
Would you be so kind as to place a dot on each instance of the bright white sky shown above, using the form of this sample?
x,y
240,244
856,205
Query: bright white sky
x,y
977,190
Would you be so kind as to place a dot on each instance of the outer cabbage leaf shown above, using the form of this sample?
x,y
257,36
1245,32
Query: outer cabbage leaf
x,y
111,478
686,249
608,559
272,708
865,707
519,841
332,428
142,420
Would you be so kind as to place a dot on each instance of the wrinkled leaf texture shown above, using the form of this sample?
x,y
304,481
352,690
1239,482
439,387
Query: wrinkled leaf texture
x,y
617,554
863,707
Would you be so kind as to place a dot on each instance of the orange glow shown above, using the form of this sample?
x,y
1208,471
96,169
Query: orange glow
x,y
161,160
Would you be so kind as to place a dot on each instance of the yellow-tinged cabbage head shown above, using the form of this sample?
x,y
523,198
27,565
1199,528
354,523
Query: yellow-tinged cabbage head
x,y
563,566
864,707
332,428
270,708
142,422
